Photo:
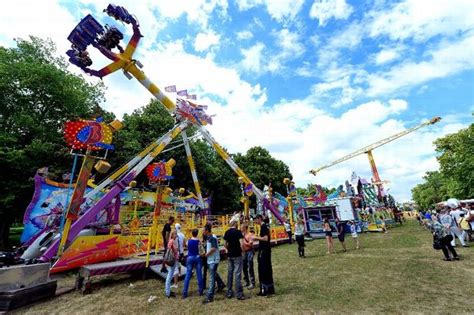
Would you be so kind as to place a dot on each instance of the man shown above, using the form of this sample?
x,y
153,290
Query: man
x,y
249,275
288,230
212,256
340,233
165,233
234,243
265,272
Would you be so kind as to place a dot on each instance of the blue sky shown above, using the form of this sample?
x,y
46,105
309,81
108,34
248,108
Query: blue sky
x,y
308,80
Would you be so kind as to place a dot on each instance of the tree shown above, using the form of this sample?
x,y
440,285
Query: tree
x,y
456,175
456,160
264,169
432,191
37,95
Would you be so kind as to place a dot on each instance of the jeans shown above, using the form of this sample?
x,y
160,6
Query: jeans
x,y
169,278
213,278
193,262
248,268
234,264
290,238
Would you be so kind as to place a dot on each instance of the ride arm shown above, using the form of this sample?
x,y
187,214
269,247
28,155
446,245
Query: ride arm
x,y
226,157
375,145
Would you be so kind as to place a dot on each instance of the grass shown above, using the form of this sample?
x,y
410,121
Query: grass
x,y
398,272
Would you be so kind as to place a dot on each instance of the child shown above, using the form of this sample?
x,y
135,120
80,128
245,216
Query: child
x,y
299,235
354,234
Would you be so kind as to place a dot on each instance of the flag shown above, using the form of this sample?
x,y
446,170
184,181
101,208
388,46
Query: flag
x,y
171,89
183,93
192,97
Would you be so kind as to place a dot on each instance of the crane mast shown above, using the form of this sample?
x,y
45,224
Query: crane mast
x,y
368,150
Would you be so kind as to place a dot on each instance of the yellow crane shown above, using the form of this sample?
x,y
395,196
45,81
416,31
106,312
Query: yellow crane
x,y
368,150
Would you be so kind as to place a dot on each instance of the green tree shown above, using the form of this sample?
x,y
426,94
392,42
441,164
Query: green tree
x,y
456,175
37,95
264,169
456,160
432,191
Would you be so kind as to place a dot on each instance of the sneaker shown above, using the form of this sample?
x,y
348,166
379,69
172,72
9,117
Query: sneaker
x,y
262,293
456,258
447,259
250,287
465,246
241,298
174,286
229,296
172,294
207,301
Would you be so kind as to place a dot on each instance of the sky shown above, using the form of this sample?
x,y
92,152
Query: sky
x,y
310,81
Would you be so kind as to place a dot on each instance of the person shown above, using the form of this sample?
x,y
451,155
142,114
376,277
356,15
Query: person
x,y
465,227
456,230
165,233
212,255
193,262
265,271
441,233
341,234
249,274
354,234
233,243
180,241
299,235
169,277
328,232
288,230
448,221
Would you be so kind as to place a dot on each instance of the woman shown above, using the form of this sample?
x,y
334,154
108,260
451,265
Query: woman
x,y
299,235
172,246
328,231
441,234
193,262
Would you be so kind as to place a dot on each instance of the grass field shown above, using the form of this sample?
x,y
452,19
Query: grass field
x,y
398,272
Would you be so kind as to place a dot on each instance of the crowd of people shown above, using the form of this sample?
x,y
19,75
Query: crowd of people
x,y
204,257
448,222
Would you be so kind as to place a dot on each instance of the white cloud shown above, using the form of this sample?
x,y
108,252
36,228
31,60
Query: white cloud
x,y
205,40
280,10
253,58
243,35
446,60
423,19
324,10
19,19
387,55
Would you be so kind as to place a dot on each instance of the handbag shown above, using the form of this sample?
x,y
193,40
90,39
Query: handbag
x,y
169,258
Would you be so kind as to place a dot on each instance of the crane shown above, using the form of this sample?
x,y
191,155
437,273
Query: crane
x,y
368,150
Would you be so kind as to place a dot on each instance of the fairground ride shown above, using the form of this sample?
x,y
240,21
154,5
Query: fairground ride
x,y
368,150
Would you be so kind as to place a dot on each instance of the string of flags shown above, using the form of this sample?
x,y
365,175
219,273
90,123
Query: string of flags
x,y
172,89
